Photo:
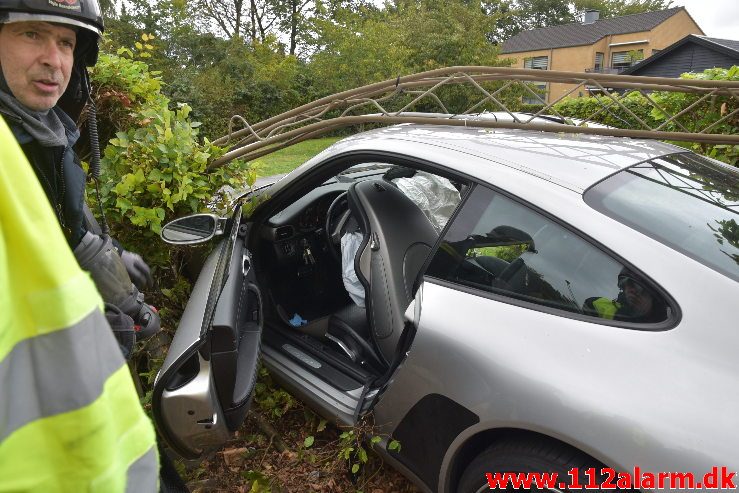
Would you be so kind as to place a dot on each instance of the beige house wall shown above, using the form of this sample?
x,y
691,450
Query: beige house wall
x,y
582,58
673,29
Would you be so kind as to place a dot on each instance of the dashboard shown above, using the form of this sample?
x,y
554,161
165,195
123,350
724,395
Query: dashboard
x,y
300,226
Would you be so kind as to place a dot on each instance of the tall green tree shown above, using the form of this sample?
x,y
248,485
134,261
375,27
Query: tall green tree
x,y
359,46
616,8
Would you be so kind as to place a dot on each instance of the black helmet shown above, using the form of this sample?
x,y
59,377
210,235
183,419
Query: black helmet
x,y
83,14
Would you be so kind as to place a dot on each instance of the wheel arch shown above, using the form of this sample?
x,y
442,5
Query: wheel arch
x,y
475,444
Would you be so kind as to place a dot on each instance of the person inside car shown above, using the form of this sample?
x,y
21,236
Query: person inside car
x,y
636,302
45,48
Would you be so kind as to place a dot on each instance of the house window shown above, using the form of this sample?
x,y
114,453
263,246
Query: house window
x,y
537,63
624,59
540,88
598,61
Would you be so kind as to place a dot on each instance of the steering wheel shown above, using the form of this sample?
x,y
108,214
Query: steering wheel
x,y
336,216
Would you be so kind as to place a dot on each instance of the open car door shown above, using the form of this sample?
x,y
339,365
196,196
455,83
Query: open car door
x,y
203,391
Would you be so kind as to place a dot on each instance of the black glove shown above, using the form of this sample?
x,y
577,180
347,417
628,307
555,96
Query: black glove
x,y
137,269
123,329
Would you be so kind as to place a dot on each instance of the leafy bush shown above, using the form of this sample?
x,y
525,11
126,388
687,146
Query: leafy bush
x,y
154,167
592,108
710,110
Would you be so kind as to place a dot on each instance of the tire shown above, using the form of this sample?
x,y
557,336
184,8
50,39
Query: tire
x,y
534,456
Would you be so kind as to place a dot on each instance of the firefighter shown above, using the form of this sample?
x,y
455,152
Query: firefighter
x,y
636,302
70,419
45,49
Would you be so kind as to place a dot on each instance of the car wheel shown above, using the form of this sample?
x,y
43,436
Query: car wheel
x,y
529,456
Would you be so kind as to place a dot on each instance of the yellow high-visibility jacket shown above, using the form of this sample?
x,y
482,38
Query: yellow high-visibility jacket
x,y
70,419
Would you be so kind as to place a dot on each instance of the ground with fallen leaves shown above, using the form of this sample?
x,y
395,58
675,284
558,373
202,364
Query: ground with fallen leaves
x,y
284,447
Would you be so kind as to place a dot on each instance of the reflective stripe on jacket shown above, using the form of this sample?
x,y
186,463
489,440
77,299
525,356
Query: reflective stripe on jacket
x,y
70,418
606,308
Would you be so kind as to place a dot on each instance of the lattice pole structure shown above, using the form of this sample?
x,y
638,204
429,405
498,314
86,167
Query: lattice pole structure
x,y
395,101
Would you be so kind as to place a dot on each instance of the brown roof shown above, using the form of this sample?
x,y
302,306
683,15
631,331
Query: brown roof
x,y
577,34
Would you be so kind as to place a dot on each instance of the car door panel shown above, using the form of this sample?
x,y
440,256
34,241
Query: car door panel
x,y
235,339
203,390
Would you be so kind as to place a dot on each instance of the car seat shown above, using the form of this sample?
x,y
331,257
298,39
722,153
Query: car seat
x,y
397,239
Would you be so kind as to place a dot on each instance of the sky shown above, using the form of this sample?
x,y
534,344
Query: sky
x,y
717,18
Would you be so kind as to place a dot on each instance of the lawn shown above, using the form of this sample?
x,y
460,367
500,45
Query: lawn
x,y
286,160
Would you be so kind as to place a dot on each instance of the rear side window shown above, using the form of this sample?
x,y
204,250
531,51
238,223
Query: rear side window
x,y
685,201
500,246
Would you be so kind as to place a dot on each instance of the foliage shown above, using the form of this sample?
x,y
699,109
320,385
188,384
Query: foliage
x,y
352,443
155,167
257,482
710,110
635,56
616,8
343,44
272,400
602,109
357,47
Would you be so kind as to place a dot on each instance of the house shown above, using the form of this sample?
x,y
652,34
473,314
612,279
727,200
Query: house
x,y
597,45
690,54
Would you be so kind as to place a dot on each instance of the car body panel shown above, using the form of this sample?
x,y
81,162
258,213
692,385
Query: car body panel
x,y
582,382
660,397
538,397
540,154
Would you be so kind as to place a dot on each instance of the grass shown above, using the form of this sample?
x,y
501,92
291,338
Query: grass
x,y
286,160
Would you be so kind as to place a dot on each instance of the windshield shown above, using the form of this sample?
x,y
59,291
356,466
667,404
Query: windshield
x,y
685,201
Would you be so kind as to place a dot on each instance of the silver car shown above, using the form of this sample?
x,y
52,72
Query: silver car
x,y
502,301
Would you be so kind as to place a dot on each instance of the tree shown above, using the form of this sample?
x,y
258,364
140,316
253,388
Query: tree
x,y
285,19
228,16
108,7
514,16
292,17
354,46
616,8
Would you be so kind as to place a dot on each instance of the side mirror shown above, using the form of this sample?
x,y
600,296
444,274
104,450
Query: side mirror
x,y
194,229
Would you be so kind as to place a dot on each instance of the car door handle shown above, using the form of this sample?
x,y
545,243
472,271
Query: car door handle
x,y
208,423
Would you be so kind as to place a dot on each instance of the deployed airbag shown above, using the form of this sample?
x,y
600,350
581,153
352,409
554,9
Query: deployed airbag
x,y
434,195
350,244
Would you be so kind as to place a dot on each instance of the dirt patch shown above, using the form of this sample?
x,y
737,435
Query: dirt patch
x,y
252,463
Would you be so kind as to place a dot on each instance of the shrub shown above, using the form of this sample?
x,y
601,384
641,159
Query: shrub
x,y
710,110
154,168
592,108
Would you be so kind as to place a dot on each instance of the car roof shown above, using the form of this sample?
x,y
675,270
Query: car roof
x,y
575,161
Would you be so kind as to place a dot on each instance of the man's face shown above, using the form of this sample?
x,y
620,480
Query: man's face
x,y
637,297
36,60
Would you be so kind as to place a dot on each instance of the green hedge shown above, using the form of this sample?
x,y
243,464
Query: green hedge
x,y
154,166
708,111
